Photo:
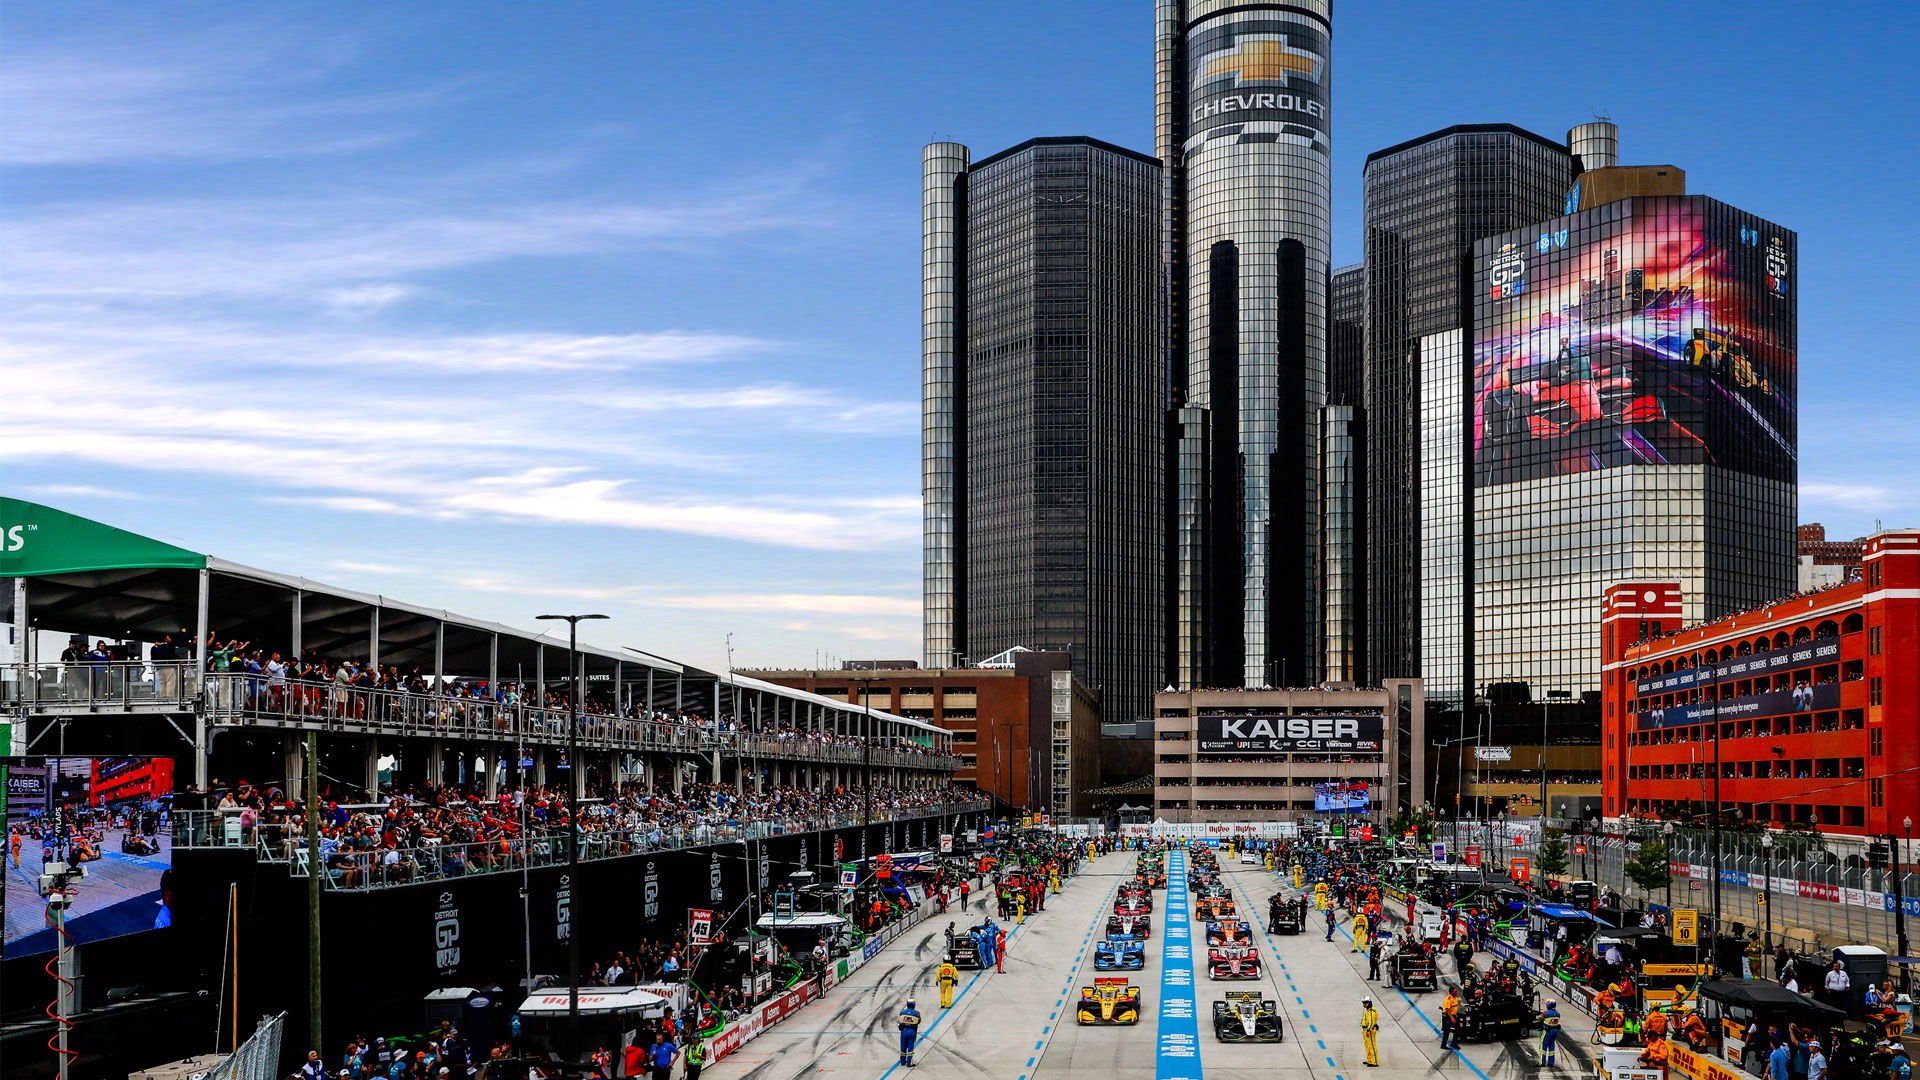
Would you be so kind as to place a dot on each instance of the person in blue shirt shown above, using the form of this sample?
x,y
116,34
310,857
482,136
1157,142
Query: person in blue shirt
x,y
1329,922
909,1032
1549,1033
661,1055
1777,1062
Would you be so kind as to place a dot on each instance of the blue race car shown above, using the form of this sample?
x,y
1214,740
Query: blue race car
x,y
1120,954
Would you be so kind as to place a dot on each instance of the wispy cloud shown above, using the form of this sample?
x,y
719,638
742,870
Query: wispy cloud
x,y
85,491
1858,497
162,89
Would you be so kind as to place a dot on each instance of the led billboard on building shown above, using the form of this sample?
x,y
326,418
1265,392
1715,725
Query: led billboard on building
x,y
1650,331
1229,733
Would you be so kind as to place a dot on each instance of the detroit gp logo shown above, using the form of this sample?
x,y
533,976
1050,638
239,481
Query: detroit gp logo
x,y
1506,274
446,935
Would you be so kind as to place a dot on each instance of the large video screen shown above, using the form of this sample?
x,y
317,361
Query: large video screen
x,y
112,815
1650,331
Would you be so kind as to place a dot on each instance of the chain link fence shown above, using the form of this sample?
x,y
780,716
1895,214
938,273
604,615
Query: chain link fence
x,y
258,1058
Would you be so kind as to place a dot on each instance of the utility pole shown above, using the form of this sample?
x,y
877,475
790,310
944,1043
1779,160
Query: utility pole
x,y
575,691
314,870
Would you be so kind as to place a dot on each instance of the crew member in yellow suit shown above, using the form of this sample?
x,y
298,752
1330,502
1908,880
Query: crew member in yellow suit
x,y
1020,907
1296,875
1359,931
1320,895
947,976
1370,1032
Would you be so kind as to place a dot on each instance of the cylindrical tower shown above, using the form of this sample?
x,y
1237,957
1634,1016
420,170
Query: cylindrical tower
x,y
1253,204
943,178
1597,145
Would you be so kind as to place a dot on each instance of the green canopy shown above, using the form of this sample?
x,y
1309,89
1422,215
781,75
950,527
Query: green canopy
x,y
37,540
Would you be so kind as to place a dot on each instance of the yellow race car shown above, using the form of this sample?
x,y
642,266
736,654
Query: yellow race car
x,y
1109,1001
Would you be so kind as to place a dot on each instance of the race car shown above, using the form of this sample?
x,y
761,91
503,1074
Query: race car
x,y
1109,1001
1213,908
1133,901
1233,962
1136,925
1288,917
965,954
1120,953
1412,968
1229,932
1245,1016
1496,1017
1249,857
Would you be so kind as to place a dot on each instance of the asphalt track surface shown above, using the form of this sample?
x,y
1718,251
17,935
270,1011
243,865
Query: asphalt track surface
x,y
1019,1025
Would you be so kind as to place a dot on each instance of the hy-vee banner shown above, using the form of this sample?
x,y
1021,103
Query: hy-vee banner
x,y
1364,734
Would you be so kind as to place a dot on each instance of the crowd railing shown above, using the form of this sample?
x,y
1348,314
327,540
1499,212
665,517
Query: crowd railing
x,y
251,699
358,870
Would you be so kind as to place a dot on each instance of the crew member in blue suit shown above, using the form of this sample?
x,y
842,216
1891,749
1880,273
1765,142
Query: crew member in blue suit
x,y
909,1032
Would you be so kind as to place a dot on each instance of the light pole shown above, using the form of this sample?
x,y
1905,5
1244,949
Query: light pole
x,y
574,782
1668,830
1900,909
1766,854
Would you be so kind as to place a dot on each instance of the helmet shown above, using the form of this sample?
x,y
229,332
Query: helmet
x,y
1366,1001
909,1003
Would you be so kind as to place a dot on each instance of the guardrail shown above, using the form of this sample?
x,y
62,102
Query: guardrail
x,y
255,700
353,870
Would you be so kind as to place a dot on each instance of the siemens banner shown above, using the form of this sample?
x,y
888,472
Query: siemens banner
x,y
1805,654
1363,734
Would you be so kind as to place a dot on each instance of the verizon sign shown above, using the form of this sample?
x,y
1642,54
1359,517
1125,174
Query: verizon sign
x,y
1363,734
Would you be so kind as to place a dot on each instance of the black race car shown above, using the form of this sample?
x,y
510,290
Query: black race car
x,y
965,954
1496,1017
1289,917
1133,901
1412,968
1245,1016
1233,962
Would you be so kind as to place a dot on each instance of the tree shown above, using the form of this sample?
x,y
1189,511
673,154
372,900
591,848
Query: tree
x,y
1552,856
1649,868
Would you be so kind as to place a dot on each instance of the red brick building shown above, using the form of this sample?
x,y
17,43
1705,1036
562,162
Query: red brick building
x,y
1815,699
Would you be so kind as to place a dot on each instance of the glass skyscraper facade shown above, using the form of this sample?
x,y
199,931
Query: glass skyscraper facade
x,y
1343,472
1243,130
1427,201
1633,418
1043,391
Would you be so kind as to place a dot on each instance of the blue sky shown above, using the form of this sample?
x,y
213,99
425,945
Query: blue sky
x,y
513,307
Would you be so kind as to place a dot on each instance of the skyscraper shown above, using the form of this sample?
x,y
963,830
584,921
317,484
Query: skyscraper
x,y
1426,201
1042,401
1243,131
1343,471
1634,418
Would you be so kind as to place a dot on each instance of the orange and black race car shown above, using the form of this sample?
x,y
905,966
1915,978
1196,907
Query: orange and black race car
x,y
1109,1001
1214,908
1229,932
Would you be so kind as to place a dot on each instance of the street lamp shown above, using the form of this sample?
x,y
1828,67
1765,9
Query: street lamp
x,y
1766,851
574,781
1900,910
1668,830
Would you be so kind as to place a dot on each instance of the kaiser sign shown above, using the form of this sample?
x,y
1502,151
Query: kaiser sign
x,y
1289,734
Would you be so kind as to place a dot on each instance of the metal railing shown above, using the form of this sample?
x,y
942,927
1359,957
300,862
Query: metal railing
x,y
349,869
255,700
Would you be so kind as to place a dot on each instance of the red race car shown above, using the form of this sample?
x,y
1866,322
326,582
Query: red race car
x,y
1233,962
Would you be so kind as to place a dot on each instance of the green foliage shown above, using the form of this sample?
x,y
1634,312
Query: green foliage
x,y
1553,856
1648,868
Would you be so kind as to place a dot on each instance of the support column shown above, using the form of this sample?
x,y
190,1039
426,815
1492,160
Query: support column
x,y
293,763
679,779
371,761
493,771
436,773
373,638
539,766
577,777
201,744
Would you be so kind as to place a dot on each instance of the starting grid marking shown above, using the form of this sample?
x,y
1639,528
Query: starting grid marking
x,y
1176,1054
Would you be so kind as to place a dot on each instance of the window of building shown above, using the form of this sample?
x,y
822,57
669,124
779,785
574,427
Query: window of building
x,y
1874,692
1873,641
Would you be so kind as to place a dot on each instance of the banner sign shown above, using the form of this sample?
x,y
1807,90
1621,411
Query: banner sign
x,y
1493,753
1239,733
1176,1054
1798,699
1743,667
699,926
946,843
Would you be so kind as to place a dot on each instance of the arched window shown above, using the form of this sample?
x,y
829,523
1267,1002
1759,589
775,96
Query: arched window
x,y
1853,624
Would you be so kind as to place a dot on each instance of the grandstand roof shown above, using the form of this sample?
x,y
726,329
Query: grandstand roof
x,y
92,578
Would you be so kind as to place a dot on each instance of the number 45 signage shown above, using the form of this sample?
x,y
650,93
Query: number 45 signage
x,y
700,926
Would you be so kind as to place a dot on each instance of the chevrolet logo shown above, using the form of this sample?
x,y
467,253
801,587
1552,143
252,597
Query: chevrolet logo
x,y
1262,58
